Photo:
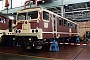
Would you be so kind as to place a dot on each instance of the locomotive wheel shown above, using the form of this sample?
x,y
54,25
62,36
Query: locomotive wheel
x,y
28,47
38,47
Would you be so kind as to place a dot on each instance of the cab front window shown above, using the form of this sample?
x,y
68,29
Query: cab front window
x,y
21,16
32,15
27,15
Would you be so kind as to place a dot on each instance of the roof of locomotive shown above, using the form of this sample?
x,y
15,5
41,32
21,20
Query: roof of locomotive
x,y
8,15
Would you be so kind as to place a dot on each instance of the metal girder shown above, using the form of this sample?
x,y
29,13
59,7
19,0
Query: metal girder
x,y
55,9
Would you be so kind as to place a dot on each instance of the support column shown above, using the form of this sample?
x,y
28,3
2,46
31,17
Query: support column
x,y
62,8
62,11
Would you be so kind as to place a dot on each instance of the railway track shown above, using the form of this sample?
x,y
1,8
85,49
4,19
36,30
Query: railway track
x,y
78,54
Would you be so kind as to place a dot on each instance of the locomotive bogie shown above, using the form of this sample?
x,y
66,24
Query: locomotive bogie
x,y
29,42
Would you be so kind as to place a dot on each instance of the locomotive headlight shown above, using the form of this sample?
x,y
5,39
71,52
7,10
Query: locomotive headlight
x,y
36,30
33,31
29,39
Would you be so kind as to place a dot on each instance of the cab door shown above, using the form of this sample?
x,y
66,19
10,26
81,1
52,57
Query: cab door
x,y
54,24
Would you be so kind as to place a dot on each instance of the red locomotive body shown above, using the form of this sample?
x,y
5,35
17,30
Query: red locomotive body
x,y
38,25
3,23
51,24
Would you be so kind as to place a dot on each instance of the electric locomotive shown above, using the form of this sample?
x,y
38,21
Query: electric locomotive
x,y
35,25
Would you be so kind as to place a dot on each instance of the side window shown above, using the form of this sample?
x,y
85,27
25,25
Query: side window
x,y
32,15
45,15
71,25
75,26
60,21
21,16
68,23
2,20
65,22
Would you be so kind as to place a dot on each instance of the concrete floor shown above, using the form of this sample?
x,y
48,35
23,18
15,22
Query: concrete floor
x,y
4,56
66,52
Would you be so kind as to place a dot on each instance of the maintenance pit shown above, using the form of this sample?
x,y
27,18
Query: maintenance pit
x,y
66,52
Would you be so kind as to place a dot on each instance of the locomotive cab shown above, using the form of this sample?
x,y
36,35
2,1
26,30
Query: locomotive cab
x,y
27,22
27,27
